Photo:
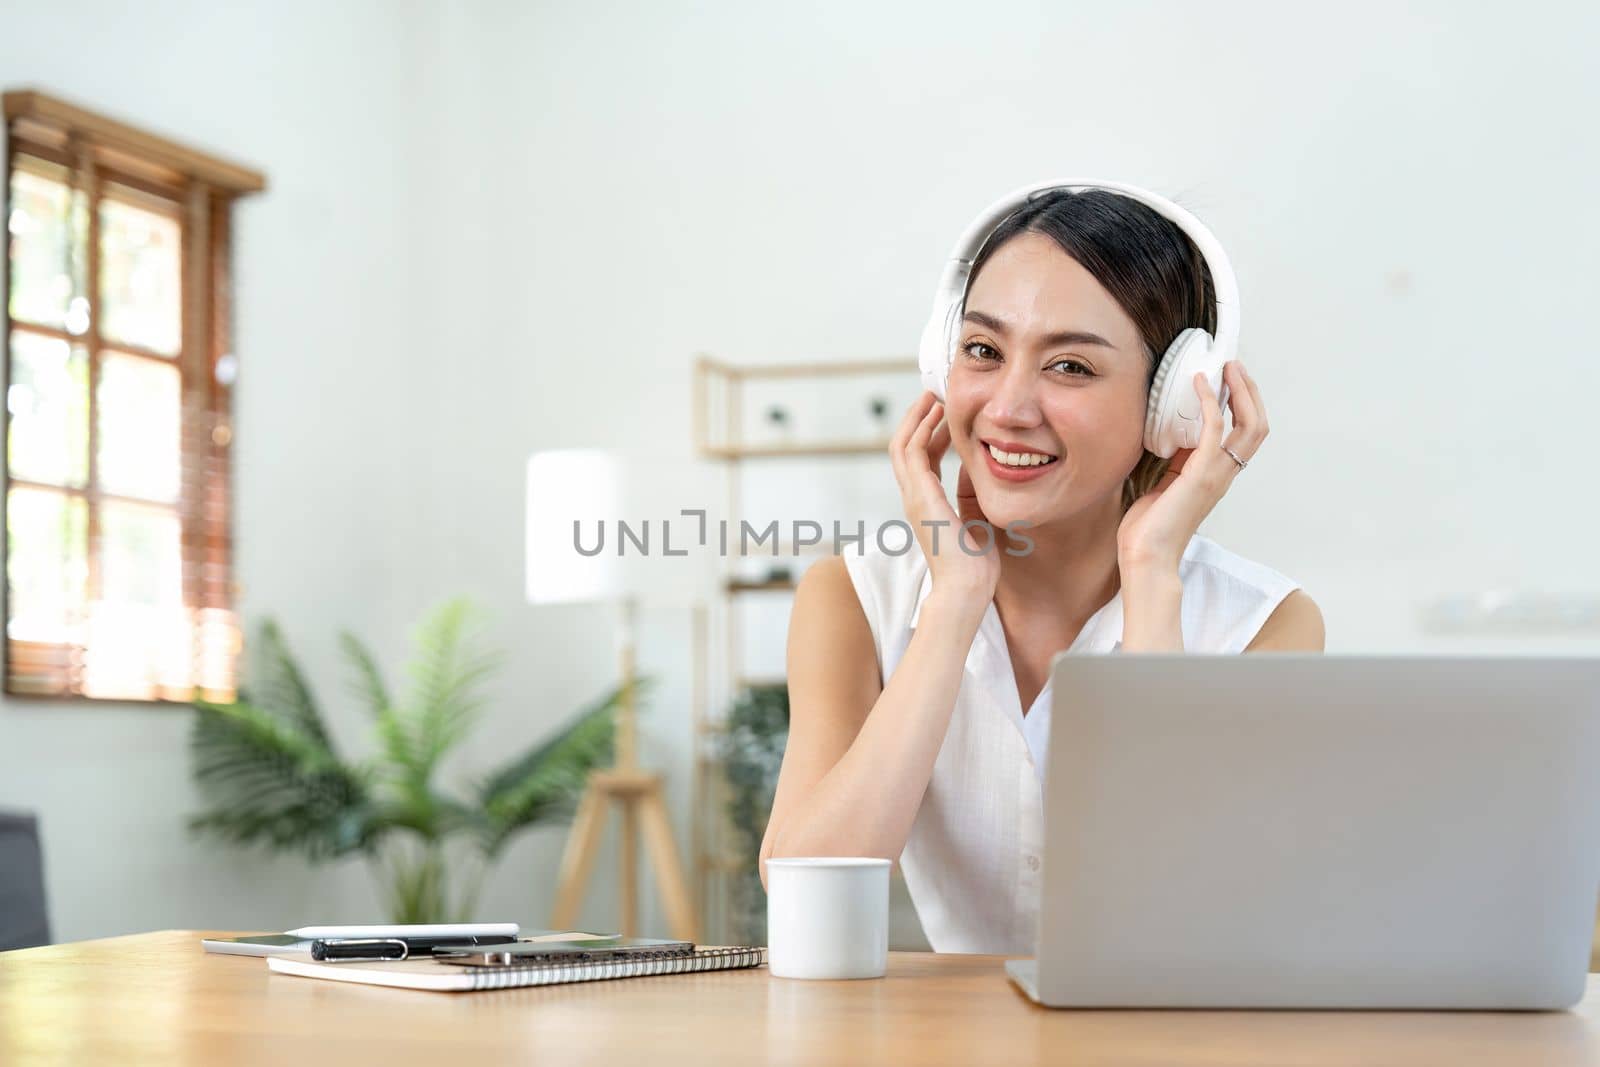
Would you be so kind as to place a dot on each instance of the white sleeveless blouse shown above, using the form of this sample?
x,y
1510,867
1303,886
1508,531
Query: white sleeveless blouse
x,y
972,860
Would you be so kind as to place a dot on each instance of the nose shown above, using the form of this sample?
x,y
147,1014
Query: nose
x,y
1013,402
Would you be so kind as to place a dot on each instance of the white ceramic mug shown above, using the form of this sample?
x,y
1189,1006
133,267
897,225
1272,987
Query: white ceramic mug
x,y
827,917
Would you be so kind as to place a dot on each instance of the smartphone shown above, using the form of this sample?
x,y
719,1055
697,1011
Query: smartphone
x,y
261,945
342,949
601,948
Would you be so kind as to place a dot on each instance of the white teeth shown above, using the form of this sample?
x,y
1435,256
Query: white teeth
x,y
1020,459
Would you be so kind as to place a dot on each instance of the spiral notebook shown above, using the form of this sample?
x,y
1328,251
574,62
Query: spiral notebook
x,y
426,973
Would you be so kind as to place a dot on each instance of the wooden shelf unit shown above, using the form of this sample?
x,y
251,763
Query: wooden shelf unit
x,y
719,434
719,416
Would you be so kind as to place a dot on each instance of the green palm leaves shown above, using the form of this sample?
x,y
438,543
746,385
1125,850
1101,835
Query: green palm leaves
x,y
273,776
276,774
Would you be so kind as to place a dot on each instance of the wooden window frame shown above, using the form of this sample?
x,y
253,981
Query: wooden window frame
x,y
101,157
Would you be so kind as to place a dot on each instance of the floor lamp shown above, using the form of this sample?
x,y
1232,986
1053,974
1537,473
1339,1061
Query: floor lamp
x,y
573,495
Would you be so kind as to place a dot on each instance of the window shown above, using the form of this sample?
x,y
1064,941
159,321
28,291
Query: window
x,y
118,417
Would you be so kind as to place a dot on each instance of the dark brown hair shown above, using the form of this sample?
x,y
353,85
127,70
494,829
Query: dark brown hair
x,y
1144,260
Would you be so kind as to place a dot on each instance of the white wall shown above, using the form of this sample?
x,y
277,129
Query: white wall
x,y
324,99
1405,203
499,227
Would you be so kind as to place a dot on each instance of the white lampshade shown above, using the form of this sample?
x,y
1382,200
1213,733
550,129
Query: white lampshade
x,y
647,492
583,485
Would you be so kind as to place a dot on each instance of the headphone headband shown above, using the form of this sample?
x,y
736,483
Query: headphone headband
x,y
951,294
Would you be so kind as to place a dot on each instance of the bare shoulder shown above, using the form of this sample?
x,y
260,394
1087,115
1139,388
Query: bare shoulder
x,y
1295,625
830,578
827,625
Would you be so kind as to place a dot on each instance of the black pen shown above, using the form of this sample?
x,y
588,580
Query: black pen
x,y
351,949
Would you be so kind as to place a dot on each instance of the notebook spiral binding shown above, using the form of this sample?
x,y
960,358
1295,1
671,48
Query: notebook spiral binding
x,y
553,973
633,954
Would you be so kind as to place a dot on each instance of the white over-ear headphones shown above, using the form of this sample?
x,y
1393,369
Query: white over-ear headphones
x,y
1173,419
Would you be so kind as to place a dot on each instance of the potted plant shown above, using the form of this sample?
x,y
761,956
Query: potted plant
x,y
274,776
750,746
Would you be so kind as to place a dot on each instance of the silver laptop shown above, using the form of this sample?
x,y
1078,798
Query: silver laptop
x,y
1285,830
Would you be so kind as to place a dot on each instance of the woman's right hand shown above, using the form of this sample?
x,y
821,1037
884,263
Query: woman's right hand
x,y
972,566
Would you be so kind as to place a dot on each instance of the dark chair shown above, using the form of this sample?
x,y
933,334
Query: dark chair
x,y
24,922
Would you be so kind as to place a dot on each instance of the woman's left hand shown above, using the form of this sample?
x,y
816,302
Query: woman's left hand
x,y
1157,527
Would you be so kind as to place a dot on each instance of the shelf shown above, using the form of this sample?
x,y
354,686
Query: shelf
x,y
819,448
819,369
739,585
720,416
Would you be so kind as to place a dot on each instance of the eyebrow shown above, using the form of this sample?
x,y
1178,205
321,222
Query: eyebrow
x,y
1060,337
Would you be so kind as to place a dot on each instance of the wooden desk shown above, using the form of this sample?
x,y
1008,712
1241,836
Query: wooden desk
x,y
160,998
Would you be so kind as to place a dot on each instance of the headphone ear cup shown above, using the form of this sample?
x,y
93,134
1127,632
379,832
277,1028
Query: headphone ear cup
x,y
932,379
934,352
1174,417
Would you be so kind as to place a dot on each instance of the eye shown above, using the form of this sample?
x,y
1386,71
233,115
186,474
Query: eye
x,y
1080,372
970,345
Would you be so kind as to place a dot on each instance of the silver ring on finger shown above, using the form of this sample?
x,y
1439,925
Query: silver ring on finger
x,y
1242,464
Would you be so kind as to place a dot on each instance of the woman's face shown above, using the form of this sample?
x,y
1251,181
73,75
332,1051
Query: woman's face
x,y
1048,363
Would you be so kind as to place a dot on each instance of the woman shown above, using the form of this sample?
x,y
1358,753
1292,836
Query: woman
x,y
919,700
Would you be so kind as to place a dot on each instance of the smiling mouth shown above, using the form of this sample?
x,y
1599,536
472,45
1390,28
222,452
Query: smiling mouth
x,y
1019,460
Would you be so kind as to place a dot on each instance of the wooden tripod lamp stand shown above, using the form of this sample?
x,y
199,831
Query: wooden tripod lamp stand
x,y
565,487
